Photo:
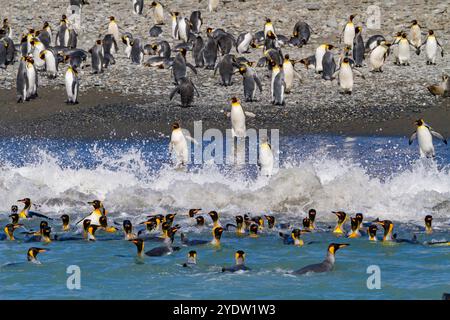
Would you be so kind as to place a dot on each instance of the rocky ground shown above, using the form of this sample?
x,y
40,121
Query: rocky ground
x,y
134,100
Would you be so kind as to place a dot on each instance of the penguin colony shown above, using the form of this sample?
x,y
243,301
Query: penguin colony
x,y
46,50
159,232
42,52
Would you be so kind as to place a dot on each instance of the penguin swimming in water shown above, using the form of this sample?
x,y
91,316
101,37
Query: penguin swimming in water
x,y
250,81
72,85
239,227
94,216
265,159
239,263
158,251
26,213
442,89
9,231
104,225
32,254
354,232
65,222
349,32
193,212
372,232
312,218
215,218
325,266
389,235
342,217
191,259
431,47
428,222
194,242
424,134
217,234
270,221
200,221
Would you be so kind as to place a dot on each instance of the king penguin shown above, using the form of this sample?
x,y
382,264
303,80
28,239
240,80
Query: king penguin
x,y
72,85
424,134
349,31
178,145
250,81
325,266
431,48
266,159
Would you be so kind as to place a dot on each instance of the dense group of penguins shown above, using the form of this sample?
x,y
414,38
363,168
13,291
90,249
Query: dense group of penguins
x,y
161,228
42,50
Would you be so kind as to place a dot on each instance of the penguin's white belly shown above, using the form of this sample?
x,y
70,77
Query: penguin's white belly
x,y
416,38
69,80
288,75
349,34
243,46
266,161
431,49
274,74
425,140
182,30
346,78
320,52
179,146
94,217
376,57
50,63
31,74
403,51
238,122
159,14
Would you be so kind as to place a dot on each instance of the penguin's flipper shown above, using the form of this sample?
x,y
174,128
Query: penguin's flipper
x,y
439,136
192,67
230,225
412,137
39,215
172,94
195,88
258,82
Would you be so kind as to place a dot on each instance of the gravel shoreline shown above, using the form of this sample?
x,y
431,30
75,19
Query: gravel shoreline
x,y
130,100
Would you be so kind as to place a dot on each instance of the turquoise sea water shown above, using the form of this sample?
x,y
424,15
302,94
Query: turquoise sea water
x,y
381,177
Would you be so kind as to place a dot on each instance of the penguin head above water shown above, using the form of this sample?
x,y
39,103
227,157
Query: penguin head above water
x,y
420,122
214,216
372,231
65,221
306,222
200,221
192,257
46,234
253,230
97,204
14,218
42,226
193,212
359,217
239,220
33,252
239,257
270,221
217,234
312,215
139,245
388,227
170,217
10,228
333,247
428,222
175,126
26,202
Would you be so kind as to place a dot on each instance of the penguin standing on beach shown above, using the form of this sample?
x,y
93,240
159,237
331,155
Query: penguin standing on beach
x,y
238,128
97,57
186,89
138,6
72,85
250,81
404,50
22,83
320,52
226,69
345,74
37,48
137,52
197,52
158,13
32,78
179,66
378,56
62,34
268,26
431,48
174,16
278,85
265,160
109,44
51,63
289,73
113,29
424,134
328,65
196,21
210,51
358,48
349,31
415,33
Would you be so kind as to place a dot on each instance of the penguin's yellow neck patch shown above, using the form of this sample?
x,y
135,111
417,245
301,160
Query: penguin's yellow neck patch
x,y
235,104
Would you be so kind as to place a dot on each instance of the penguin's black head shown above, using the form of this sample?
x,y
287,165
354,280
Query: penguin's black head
x,y
154,46
200,221
341,215
63,17
242,69
175,13
352,17
373,230
414,22
386,224
33,252
428,219
270,220
103,221
268,20
312,214
14,208
26,201
346,60
333,247
359,217
214,215
97,204
306,222
234,100
192,254
217,232
254,229
65,219
46,231
430,32
171,232
112,18
182,51
419,122
330,47
358,29
209,30
5,21
404,35
354,223
165,226
98,42
286,56
239,219
170,217
193,212
46,25
43,225
175,126
153,4
270,35
240,254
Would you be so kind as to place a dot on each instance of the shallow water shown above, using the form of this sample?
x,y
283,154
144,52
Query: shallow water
x,y
381,177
